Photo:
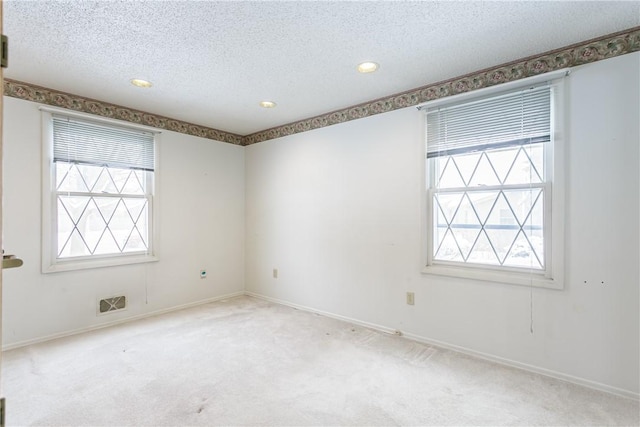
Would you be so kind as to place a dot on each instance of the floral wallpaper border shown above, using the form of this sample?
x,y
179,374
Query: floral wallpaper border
x,y
69,101
605,47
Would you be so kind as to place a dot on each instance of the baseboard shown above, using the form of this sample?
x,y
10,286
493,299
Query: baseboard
x,y
444,345
526,367
119,321
325,313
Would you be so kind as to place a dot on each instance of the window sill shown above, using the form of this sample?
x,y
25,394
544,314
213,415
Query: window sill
x,y
487,275
82,264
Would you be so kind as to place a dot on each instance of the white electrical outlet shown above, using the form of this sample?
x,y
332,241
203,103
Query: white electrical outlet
x,y
410,298
203,274
275,273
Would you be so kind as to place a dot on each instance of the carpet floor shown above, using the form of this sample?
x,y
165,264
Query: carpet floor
x,y
244,361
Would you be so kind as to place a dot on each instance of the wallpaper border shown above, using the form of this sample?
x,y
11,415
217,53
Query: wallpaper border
x,y
593,50
604,47
42,95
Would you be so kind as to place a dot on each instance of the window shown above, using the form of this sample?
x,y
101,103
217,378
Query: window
x,y
99,182
490,188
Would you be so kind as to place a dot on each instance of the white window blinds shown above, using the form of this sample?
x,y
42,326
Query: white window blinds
x,y
516,118
84,142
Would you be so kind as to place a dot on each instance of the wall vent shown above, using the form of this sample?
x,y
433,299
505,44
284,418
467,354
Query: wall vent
x,y
108,305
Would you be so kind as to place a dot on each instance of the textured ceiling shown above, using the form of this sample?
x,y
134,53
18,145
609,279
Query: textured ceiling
x,y
212,62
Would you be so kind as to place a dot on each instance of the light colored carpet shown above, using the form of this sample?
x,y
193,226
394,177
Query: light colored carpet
x,y
245,361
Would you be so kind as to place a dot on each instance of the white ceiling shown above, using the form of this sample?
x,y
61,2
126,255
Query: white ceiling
x,y
211,62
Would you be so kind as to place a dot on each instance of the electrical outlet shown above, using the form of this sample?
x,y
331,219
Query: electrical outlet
x,y
203,274
275,273
410,298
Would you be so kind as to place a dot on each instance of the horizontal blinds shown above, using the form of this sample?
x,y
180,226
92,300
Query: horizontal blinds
x,y
78,141
516,118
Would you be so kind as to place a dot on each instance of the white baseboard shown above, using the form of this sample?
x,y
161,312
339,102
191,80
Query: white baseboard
x,y
119,321
325,313
441,344
526,367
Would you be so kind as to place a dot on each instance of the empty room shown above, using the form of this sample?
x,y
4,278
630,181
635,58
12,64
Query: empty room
x,y
320,213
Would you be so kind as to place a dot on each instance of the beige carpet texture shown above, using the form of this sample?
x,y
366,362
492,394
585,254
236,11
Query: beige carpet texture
x,y
245,361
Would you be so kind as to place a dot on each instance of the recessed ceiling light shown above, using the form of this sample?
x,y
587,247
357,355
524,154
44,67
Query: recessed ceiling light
x,y
141,83
367,67
267,104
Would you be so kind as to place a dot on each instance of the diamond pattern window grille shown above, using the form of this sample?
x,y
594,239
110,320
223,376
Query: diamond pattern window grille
x,y
488,180
101,210
488,207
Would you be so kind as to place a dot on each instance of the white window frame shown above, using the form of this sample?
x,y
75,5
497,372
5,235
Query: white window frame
x,y
50,262
554,191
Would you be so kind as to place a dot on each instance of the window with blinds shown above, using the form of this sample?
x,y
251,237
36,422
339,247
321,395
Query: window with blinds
x,y
96,144
102,189
514,119
488,181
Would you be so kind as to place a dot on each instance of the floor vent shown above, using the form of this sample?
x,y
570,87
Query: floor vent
x,y
108,305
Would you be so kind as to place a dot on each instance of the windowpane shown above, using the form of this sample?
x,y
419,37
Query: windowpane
x,y
487,158
105,184
449,174
483,252
73,206
502,160
524,171
119,177
90,225
89,174
73,246
100,225
133,185
107,206
522,254
483,202
107,244
68,178
449,250
121,225
466,165
492,181
501,226
98,198
484,173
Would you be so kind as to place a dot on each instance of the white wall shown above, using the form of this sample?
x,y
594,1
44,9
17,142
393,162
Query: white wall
x,y
201,206
338,212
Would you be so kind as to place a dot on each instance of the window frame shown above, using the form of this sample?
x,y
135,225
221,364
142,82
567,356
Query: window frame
x,y
553,275
50,261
